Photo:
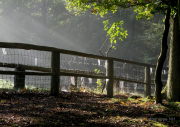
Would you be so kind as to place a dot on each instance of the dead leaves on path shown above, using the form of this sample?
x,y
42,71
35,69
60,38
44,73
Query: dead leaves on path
x,y
37,108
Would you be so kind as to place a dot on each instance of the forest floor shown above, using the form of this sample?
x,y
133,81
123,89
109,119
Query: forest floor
x,y
29,108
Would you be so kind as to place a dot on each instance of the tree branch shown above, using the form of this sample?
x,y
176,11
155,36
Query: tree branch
x,y
109,50
103,45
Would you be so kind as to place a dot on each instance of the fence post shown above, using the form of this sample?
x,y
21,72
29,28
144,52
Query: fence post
x,y
148,81
110,74
55,67
19,80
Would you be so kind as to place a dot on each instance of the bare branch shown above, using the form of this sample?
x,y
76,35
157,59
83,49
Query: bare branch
x,y
109,50
103,45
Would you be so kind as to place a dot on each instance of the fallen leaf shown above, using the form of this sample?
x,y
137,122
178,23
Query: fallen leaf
x,y
3,101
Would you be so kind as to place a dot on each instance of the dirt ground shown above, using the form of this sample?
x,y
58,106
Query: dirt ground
x,y
26,109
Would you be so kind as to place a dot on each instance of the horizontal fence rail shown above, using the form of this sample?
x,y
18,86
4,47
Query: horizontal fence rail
x,y
112,73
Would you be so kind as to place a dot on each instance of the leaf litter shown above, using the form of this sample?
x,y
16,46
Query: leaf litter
x,y
29,108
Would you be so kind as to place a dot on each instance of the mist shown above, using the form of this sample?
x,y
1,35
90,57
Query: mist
x,y
50,24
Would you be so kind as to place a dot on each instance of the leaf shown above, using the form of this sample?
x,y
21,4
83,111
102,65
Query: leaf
x,y
114,47
143,119
3,101
82,124
24,89
98,71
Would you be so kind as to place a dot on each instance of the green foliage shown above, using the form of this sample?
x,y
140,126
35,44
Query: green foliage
x,y
97,71
144,11
143,8
78,6
115,31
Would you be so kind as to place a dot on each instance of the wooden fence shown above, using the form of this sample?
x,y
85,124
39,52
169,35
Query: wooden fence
x,y
55,72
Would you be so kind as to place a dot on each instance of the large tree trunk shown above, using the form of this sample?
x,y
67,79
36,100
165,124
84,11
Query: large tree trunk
x,y
161,59
179,14
173,82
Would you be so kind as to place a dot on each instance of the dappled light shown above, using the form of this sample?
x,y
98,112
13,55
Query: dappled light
x,y
89,63
37,108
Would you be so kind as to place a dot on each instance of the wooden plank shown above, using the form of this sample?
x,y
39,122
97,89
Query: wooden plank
x,y
45,48
129,80
55,67
137,63
69,72
24,73
83,75
26,67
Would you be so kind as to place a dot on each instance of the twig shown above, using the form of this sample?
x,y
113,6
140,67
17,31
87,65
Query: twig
x,y
103,45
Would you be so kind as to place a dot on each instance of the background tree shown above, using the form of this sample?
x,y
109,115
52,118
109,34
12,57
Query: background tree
x,y
146,8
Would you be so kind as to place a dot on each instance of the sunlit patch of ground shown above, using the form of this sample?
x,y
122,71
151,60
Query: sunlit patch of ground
x,y
37,108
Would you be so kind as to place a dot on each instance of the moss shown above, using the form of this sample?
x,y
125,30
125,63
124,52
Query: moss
x,y
164,93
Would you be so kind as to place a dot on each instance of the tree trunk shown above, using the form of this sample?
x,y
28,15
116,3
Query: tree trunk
x,y
173,82
179,14
161,59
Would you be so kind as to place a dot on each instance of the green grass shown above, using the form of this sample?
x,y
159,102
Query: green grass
x,y
7,85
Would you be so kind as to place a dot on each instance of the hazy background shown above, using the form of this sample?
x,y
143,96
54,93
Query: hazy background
x,y
48,23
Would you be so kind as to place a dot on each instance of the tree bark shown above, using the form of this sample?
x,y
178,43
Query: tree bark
x,y
179,14
173,82
161,59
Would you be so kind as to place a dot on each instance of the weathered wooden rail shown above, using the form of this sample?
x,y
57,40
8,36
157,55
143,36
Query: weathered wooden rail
x,y
55,72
